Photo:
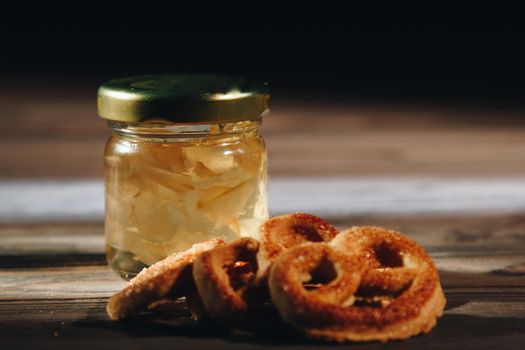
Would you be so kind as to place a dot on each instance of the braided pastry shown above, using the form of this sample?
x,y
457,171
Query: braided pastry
x,y
167,279
282,232
386,287
224,278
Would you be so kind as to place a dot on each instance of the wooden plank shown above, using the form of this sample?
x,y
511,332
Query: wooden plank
x,y
59,307
466,234
40,260
59,282
481,260
478,234
51,238
487,314
54,283
44,141
100,281
469,318
330,197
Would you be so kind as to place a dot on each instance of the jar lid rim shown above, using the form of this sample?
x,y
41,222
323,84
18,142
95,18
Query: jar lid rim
x,y
183,98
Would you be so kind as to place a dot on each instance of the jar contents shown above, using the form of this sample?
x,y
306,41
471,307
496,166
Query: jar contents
x,y
164,194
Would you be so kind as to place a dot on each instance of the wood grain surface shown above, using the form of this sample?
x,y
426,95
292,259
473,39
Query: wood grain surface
x,y
54,291
58,135
329,197
54,281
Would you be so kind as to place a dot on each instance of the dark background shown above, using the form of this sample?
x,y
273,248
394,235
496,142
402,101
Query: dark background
x,y
430,98
419,63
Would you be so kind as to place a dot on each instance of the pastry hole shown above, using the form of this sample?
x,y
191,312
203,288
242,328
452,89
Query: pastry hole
x,y
366,291
241,271
387,257
375,302
378,295
309,233
322,274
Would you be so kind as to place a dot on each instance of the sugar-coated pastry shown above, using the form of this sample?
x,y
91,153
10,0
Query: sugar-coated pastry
x,y
397,294
225,279
170,278
286,231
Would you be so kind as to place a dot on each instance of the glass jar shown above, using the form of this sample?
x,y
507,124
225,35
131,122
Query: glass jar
x,y
194,173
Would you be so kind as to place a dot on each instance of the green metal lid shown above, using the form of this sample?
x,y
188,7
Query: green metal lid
x,y
182,98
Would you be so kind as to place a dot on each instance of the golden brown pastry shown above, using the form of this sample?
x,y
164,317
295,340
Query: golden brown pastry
x,y
391,289
167,279
224,278
305,281
286,231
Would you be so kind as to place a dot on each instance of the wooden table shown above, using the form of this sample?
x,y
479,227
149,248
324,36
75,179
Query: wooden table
x,y
54,281
54,295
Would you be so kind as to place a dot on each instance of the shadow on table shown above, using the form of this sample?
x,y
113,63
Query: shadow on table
x,y
453,330
266,328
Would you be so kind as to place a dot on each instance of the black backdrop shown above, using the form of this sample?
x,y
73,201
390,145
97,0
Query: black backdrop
x,y
435,63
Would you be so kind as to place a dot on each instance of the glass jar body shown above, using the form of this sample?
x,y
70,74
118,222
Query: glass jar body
x,y
169,186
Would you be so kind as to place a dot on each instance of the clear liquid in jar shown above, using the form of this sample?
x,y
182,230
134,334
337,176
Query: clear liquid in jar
x,y
162,197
